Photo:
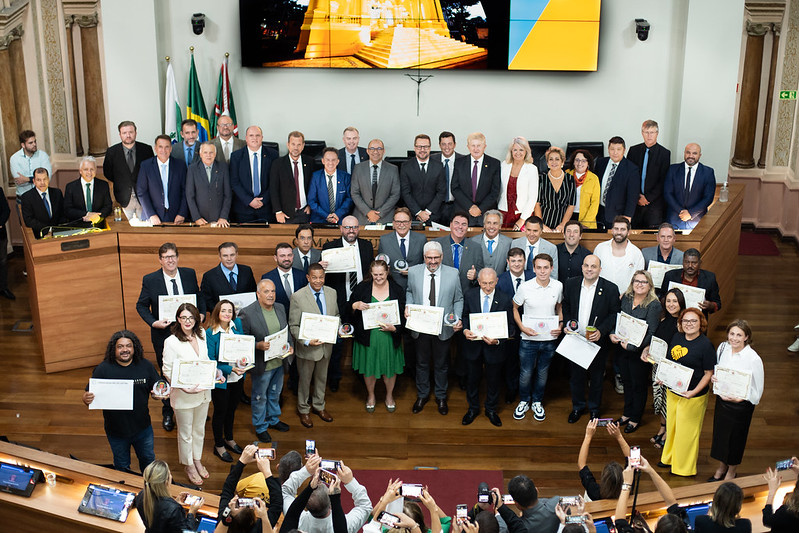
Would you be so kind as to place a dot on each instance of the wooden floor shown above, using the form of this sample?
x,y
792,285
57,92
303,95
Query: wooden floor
x,y
45,411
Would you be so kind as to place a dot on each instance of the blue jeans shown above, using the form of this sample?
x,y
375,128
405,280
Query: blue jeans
x,y
534,355
265,406
142,443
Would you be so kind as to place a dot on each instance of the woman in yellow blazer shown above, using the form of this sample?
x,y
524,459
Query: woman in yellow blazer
x,y
588,188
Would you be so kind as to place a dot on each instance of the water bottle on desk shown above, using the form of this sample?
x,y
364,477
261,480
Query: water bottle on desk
x,y
724,193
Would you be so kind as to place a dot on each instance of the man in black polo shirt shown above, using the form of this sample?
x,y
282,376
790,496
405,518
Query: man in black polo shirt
x,y
570,252
124,359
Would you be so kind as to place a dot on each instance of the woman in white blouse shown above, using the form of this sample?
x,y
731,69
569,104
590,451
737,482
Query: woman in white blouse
x,y
187,343
733,415
519,190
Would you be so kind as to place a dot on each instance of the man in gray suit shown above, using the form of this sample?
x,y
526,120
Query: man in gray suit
x,y
434,284
267,376
493,244
664,252
304,253
225,142
313,356
533,244
208,189
402,243
375,187
459,252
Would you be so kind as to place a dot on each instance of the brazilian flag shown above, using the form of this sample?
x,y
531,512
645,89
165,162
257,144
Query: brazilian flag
x,y
195,106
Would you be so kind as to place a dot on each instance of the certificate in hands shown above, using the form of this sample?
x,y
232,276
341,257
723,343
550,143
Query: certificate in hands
x,y
278,344
630,329
425,319
381,313
578,349
693,295
234,348
657,270
731,383
190,374
111,394
240,301
658,348
168,305
491,325
340,259
674,375
321,327
542,325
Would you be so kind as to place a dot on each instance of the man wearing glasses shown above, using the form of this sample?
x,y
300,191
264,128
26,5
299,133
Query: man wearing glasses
x,y
423,184
169,280
402,244
375,187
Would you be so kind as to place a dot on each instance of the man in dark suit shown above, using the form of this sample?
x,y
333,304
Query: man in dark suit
x,y
480,350
460,253
225,142
691,274
43,206
653,160
447,157
188,150
605,304
87,200
304,253
375,187
289,180
208,189
690,187
121,167
251,201
169,280
351,154
620,184
329,195
287,280
228,277
422,182
476,182
404,244
161,186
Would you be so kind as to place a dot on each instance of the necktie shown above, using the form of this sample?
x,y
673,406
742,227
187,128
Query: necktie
x,y
189,155
297,183
530,258
446,175
331,195
456,255
643,170
208,173
687,192
610,180
353,281
129,159
305,263
165,182
486,304
233,281
424,171
319,302
374,185
474,180
88,197
47,204
352,162
518,282
175,290
256,176
286,285
226,150
491,246
432,289
403,250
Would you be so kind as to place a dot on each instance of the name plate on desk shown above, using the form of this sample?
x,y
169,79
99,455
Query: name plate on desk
x,y
70,246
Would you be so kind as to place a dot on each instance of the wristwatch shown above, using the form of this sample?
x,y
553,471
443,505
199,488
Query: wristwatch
x,y
626,486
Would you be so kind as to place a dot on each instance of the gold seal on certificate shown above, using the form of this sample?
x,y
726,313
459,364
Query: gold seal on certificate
x,y
491,325
340,260
168,305
381,314
675,376
319,327
425,319
194,374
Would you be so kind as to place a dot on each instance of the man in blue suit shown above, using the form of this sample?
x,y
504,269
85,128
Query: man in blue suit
x,y
620,184
322,184
690,187
251,201
161,185
287,279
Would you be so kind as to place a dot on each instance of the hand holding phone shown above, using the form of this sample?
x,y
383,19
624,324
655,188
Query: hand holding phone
x,y
388,519
635,456
310,447
461,513
268,453
784,464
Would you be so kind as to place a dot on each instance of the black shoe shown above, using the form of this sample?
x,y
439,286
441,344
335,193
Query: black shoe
x,y
334,385
621,422
574,416
442,406
594,415
169,423
280,426
661,464
246,400
234,449
469,417
714,479
419,405
264,436
6,292
632,428
493,417
224,456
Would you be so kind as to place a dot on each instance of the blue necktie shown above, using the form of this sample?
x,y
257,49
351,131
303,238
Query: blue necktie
x,y
352,162
643,170
490,247
175,290
456,255
486,304
256,176
233,281
403,249
47,205
530,258
319,303
189,154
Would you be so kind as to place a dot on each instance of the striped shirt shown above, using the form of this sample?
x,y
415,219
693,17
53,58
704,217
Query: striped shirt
x,y
554,204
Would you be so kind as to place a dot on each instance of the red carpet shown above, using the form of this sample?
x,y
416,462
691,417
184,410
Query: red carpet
x,y
757,244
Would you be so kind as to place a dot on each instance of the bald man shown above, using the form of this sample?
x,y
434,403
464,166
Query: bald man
x,y
689,189
251,200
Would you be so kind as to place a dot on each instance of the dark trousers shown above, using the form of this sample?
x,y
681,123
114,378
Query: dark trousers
x,y
158,336
635,376
648,216
459,361
3,257
142,443
511,367
493,374
300,217
593,375
334,367
225,403
431,349
445,216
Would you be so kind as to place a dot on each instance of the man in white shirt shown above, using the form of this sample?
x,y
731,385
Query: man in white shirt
x,y
620,258
25,161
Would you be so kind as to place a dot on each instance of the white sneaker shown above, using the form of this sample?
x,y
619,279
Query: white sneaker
x,y
794,347
521,409
538,411
618,386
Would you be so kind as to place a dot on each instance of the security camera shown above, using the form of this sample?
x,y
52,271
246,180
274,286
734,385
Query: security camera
x,y
198,23
642,29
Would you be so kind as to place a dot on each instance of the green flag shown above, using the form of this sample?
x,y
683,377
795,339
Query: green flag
x,y
195,106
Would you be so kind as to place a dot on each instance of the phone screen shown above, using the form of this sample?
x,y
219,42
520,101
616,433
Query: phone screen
x,y
602,422
411,490
461,512
190,499
326,477
568,501
387,519
245,502
269,453
784,465
507,499
310,447
329,464
635,456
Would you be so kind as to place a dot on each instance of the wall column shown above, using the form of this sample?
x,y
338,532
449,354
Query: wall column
x,y
750,91
14,110
93,84
772,73
69,21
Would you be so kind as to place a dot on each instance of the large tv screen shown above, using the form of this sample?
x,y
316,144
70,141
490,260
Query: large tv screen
x,y
428,34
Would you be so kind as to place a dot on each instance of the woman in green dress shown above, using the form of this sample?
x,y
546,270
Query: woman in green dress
x,y
378,352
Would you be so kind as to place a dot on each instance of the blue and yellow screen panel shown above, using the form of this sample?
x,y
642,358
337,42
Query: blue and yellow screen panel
x,y
553,35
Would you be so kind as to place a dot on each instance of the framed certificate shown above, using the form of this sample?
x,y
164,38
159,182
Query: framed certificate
x,y
693,295
425,319
542,325
168,305
658,348
731,383
657,270
234,348
278,344
321,327
381,313
491,325
191,374
674,375
630,329
240,301
340,259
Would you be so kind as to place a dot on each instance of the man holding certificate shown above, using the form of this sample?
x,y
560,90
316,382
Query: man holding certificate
x,y
695,280
318,303
488,323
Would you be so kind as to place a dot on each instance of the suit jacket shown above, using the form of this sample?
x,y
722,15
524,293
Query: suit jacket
x,y
622,195
362,155
656,168
319,200
176,351
414,247
298,277
153,286
544,247
150,190
34,213
473,303
241,184
388,191
178,152
208,200
253,323
526,189
420,192
605,306
651,254
703,189
448,293
303,301
339,281
238,144
363,293
215,283
75,199
499,259
505,282
470,256
488,188
706,280
115,169
315,254
281,183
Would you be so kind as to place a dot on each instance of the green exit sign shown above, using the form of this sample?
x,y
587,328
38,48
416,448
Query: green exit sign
x,y
787,95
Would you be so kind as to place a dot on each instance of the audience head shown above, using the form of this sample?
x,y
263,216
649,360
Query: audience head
x,y
351,138
581,161
163,148
27,140
157,479
187,322
673,302
692,154
620,229
254,138
350,229
671,523
573,528
188,130
519,150
523,491
476,143
316,276
446,142
289,463
376,150
616,148
727,503
124,348
611,481
265,292
295,144
41,179
228,254
432,255
486,523
330,160
127,132
415,513
303,237
422,145
319,502
223,314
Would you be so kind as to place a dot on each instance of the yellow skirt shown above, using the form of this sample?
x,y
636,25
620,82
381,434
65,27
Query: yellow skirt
x,y
684,417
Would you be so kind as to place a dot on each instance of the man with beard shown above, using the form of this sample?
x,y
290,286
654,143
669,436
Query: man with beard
x,y
692,275
286,278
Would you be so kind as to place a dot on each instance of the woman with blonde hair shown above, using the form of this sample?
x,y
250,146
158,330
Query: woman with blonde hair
x,y
557,193
519,191
159,511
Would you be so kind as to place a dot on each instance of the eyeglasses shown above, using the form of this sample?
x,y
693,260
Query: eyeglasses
x,y
581,160
169,257
420,147
375,149
690,322
186,318
402,222
640,282
350,228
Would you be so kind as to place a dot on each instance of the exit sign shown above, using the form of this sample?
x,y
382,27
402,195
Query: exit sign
x,y
787,95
